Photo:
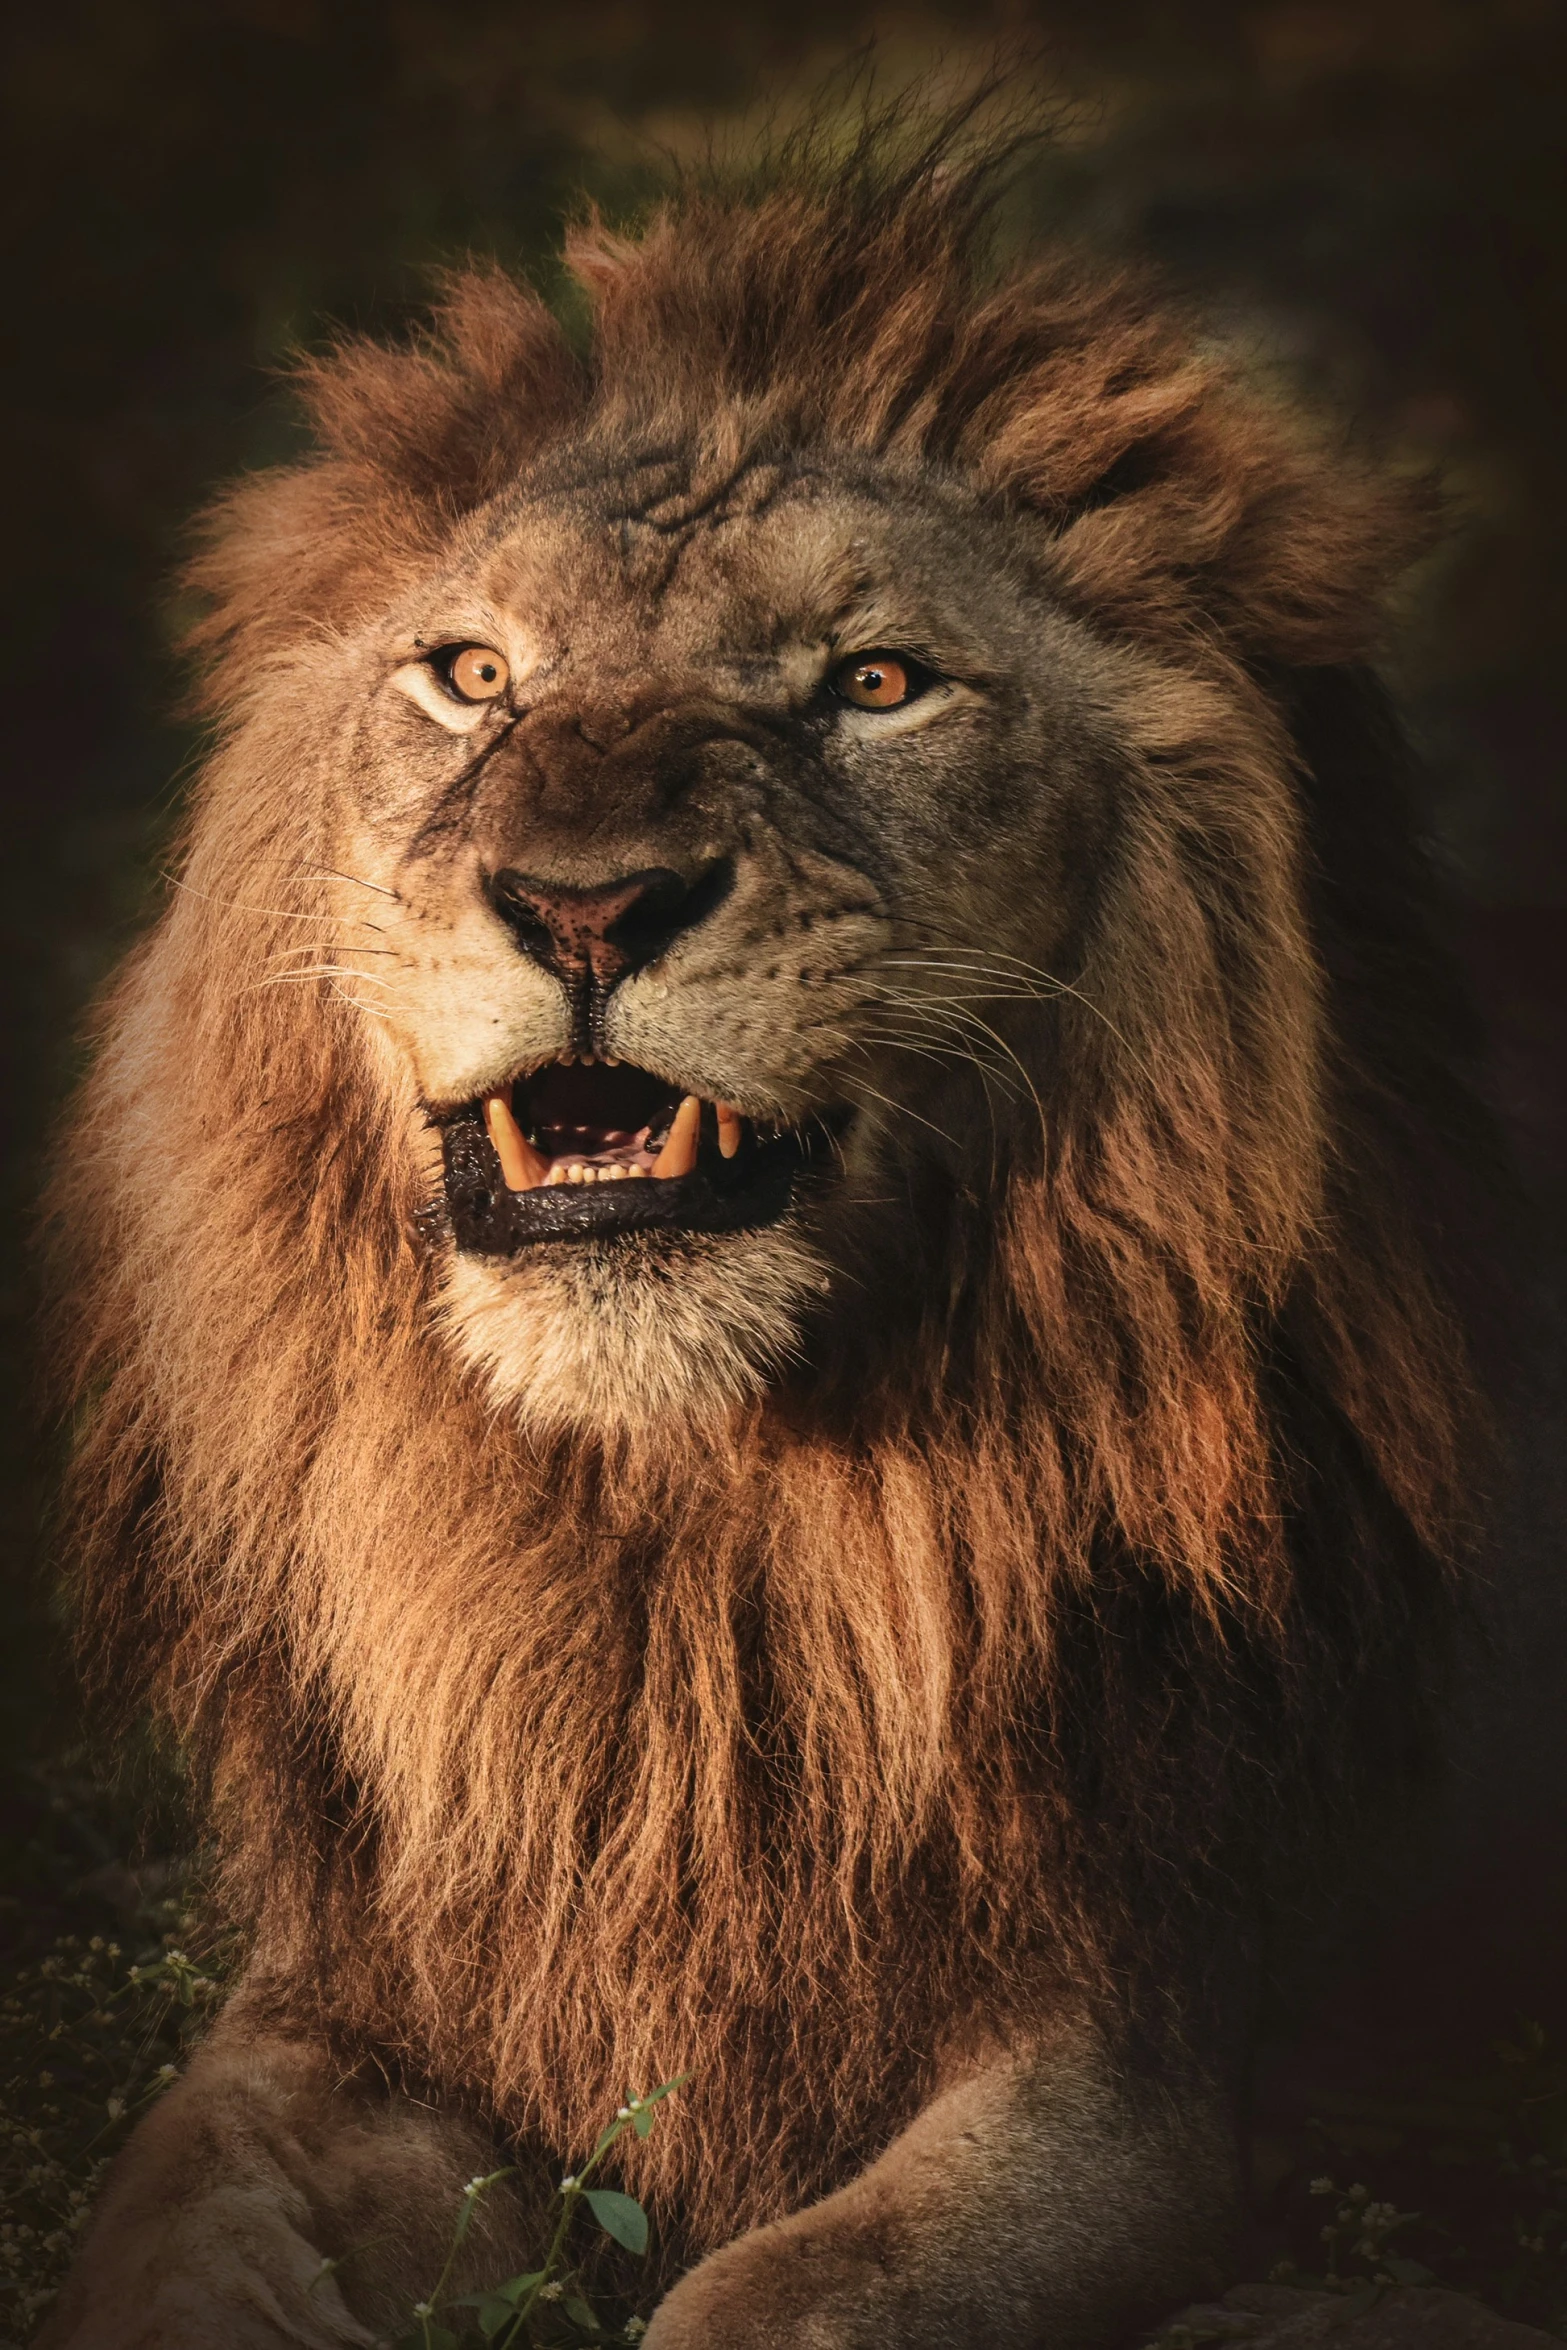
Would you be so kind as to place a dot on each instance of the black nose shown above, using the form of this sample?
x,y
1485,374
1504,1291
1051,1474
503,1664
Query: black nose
x,y
594,937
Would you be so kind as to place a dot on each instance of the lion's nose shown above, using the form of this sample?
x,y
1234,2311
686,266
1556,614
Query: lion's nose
x,y
599,934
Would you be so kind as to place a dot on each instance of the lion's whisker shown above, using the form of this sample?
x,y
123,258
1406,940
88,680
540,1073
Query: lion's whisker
x,y
949,1031
902,1108
990,987
943,1053
328,947
332,874
371,1011
331,971
1056,986
235,906
938,1018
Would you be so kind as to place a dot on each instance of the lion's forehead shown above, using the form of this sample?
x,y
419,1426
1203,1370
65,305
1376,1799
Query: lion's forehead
x,y
665,559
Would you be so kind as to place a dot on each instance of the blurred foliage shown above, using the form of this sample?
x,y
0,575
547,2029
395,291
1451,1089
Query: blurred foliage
x,y
91,2032
1468,2172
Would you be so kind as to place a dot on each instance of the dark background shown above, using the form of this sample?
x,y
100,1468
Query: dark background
x,y
198,187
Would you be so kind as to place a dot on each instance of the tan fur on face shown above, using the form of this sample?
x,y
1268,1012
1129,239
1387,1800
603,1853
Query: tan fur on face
x,y
1024,1628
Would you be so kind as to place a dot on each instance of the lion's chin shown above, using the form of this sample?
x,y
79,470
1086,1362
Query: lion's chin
x,y
624,1337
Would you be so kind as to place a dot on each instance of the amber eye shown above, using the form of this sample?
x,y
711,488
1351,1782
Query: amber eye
x,y
475,673
877,681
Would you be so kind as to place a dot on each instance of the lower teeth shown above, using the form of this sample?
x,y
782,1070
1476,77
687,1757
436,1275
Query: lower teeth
x,y
578,1171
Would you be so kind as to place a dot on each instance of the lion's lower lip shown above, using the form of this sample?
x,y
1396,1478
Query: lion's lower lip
x,y
744,1184
488,1220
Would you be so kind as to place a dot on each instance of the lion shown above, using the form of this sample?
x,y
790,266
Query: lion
x,y
756,1278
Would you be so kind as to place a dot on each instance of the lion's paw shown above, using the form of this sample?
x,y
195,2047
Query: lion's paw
x,y
231,2275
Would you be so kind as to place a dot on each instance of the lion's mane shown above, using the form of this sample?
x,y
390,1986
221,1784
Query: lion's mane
x,y
963,1668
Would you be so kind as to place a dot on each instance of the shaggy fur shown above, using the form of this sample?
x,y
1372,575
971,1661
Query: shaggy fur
x,y
1024,1630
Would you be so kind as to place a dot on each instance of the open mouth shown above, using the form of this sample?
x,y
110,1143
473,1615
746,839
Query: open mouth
x,y
583,1146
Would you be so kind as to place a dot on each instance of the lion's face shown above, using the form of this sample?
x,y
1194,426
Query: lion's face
x,y
700,829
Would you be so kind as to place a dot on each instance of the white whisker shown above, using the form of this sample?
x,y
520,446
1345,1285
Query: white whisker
x,y
932,960
332,874
371,1011
235,906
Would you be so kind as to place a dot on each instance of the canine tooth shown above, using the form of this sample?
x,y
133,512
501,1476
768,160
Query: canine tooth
x,y
730,1130
523,1167
678,1155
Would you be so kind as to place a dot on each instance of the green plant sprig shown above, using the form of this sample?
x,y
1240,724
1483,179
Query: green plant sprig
x,y
504,2314
1361,2231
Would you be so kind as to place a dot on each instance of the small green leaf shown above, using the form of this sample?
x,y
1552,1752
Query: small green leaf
x,y
620,2216
515,2287
581,2315
642,2121
666,2089
495,2314
496,2307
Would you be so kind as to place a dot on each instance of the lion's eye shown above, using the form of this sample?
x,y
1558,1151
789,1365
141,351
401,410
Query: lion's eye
x,y
474,673
878,681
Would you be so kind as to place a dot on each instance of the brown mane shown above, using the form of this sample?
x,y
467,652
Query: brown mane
x,y
1013,1636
